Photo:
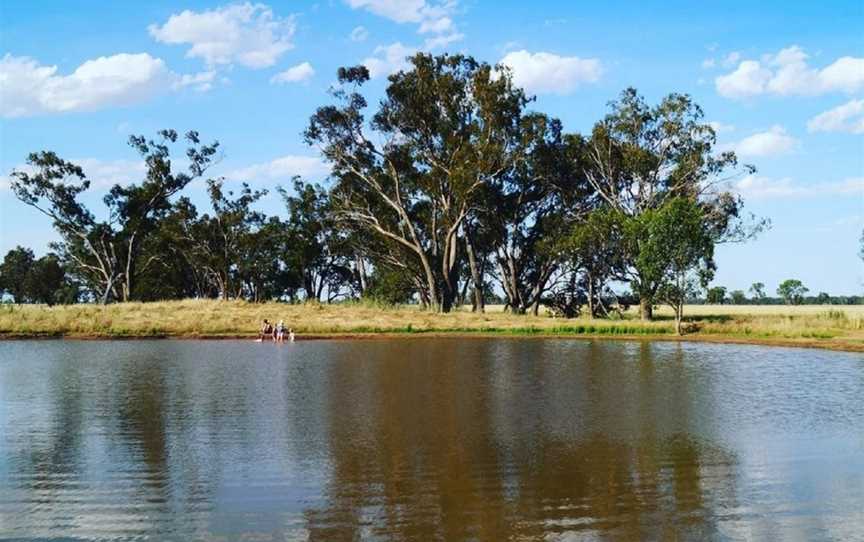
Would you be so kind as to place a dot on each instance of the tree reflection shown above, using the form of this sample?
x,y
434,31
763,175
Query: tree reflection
x,y
452,446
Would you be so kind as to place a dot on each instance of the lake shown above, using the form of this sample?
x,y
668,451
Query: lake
x,y
429,439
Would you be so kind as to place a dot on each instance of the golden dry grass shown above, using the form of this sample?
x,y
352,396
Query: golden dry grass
x,y
830,326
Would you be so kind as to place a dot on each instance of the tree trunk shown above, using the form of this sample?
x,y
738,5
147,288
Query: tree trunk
x,y
476,276
591,308
646,309
361,273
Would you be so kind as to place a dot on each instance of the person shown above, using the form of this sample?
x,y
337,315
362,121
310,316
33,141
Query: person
x,y
291,335
280,332
266,330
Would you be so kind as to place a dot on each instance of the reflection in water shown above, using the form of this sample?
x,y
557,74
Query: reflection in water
x,y
428,439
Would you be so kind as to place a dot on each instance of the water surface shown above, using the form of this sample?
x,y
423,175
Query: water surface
x,y
429,439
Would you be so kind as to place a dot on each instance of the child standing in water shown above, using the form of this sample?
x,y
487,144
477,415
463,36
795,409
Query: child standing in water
x,y
280,332
291,335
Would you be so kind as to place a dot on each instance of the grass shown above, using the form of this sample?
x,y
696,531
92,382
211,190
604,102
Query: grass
x,y
824,326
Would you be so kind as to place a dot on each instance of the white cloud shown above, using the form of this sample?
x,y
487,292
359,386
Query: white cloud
x,y
748,80
708,63
201,82
756,187
848,117
388,59
436,26
101,173
720,127
443,40
359,34
246,34
400,11
107,173
282,168
294,74
29,88
788,73
731,59
548,73
431,18
773,142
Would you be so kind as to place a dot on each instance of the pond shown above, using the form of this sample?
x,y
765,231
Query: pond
x,y
429,438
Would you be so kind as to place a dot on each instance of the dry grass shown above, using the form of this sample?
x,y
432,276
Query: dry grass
x,y
836,327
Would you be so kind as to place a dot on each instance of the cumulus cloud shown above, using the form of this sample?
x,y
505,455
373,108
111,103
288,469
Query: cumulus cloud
x,y
282,168
388,59
294,74
29,88
757,187
848,117
548,73
433,19
773,142
359,34
247,34
788,73
101,173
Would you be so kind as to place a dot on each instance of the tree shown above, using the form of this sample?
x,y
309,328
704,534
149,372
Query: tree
x,y
446,129
530,210
792,291
716,295
107,252
677,252
758,292
640,156
14,270
46,280
737,297
594,248
318,250
823,298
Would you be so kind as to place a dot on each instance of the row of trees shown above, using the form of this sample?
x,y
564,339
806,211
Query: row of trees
x,y
789,292
451,190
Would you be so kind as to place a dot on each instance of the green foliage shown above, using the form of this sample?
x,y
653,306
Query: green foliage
x,y
390,286
758,291
792,291
30,280
716,295
14,270
737,297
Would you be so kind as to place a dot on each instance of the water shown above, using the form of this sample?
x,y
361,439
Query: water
x,y
427,439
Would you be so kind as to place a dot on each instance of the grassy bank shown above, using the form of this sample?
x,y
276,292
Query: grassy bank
x,y
830,327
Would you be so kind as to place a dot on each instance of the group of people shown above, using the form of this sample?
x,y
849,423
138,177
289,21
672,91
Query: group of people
x,y
277,332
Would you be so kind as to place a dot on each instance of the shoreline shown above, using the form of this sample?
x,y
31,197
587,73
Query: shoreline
x,y
824,344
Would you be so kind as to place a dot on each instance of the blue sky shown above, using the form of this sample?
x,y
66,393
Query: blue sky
x,y
784,81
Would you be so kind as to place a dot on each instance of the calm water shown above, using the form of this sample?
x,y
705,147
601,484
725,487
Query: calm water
x,y
429,439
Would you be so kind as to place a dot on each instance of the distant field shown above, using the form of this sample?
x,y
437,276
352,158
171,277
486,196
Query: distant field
x,y
794,310
826,326
703,310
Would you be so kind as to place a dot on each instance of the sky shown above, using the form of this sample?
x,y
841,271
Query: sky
x,y
782,83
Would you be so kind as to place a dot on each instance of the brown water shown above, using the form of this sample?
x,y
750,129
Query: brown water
x,y
429,439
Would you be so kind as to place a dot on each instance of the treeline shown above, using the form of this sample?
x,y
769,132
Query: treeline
x,y
451,190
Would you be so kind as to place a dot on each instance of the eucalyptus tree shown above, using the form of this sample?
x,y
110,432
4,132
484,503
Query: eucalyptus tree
x,y
319,250
107,253
445,129
14,270
678,249
757,290
640,156
532,207
792,291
